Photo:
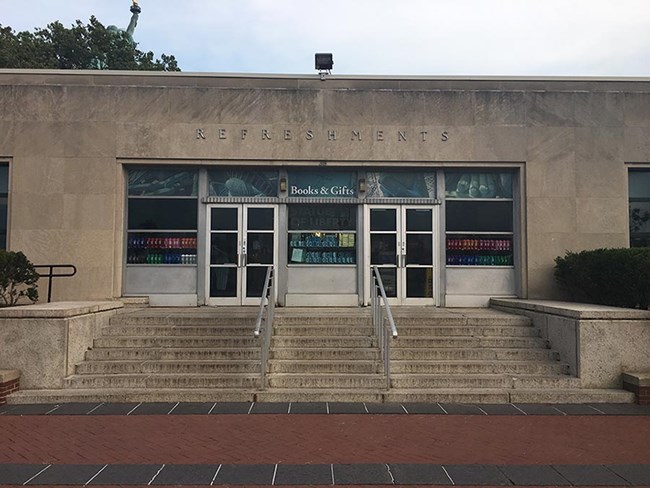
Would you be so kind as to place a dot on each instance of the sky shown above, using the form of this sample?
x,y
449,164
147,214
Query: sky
x,y
375,37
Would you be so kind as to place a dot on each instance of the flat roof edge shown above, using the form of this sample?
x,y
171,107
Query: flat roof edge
x,y
286,76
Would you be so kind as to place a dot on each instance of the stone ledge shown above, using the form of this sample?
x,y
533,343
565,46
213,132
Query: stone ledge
x,y
7,375
58,310
638,379
580,311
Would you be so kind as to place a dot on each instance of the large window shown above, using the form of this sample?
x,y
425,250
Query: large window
x,y
162,216
479,218
639,185
4,197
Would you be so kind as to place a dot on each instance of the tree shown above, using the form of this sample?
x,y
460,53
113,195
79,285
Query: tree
x,y
18,278
90,46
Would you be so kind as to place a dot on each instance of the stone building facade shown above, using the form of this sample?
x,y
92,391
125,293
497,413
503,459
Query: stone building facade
x,y
184,187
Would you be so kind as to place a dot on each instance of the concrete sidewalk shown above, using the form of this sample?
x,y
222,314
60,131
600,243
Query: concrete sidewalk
x,y
119,444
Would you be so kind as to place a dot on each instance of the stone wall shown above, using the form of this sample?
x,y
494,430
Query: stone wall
x,y
599,343
46,341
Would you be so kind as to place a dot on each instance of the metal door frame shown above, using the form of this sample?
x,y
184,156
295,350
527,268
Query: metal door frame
x,y
242,231
402,266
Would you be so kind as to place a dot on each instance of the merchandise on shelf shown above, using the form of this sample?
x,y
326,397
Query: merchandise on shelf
x,y
473,244
156,249
479,260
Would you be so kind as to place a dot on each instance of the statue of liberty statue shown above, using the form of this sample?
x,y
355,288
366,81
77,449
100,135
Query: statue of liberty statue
x,y
135,14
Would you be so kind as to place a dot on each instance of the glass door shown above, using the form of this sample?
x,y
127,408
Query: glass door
x,y
418,251
402,245
242,244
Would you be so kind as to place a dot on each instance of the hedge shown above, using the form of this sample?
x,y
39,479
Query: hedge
x,y
616,277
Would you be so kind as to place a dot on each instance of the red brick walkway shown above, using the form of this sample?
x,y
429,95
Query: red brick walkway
x,y
320,439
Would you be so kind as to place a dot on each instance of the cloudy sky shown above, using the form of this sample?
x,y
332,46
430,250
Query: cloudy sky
x,y
412,37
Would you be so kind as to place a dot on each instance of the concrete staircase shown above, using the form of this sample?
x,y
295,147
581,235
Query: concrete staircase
x,y
157,354
479,356
324,355
321,355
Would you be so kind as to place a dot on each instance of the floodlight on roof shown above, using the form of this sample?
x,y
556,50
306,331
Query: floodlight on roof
x,y
324,63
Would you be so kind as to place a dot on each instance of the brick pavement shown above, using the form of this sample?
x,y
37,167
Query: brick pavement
x,y
313,439
584,441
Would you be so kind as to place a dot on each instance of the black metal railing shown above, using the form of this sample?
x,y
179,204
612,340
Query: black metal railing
x,y
51,274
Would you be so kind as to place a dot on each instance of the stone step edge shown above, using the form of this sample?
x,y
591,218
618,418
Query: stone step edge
x,y
124,395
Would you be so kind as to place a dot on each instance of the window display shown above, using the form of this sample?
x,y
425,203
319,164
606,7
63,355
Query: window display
x,y
161,248
479,218
162,217
311,236
479,250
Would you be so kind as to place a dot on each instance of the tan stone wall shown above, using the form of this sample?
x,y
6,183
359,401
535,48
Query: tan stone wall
x,y
65,135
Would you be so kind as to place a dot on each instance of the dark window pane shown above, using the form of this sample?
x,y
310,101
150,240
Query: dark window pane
x,y
162,214
418,219
639,182
640,223
465,184
255,276
259,248
162,182
223,248
383,219
4,178
389,279
243,182
224,219
493,216
260,218
323,217
383,249
419,249
3,222
223,282
419,282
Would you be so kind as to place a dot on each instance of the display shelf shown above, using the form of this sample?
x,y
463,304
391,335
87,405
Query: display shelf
x,y
479,250
161,248
322,248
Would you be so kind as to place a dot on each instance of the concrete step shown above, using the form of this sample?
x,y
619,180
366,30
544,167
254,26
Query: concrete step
x,y
571,396
320,395
322,330
126,395
190,320
167,367
199,341
281,342
473,354
468,342
469,331
332,353
177,330
174,354
425,381
162,381
456,320
448,395
312,367
324,318
481,367
337,381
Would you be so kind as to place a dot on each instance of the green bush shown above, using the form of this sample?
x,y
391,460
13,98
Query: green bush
x,y
17,278
616,277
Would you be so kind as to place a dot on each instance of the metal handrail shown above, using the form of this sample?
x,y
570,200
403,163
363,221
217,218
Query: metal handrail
x,y
267,303
51,275
382,324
